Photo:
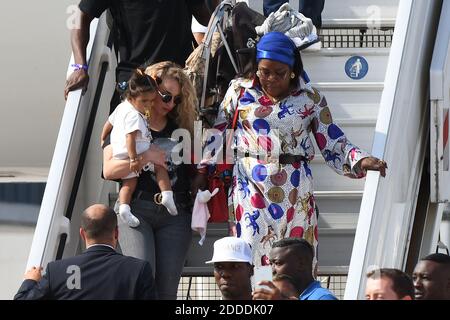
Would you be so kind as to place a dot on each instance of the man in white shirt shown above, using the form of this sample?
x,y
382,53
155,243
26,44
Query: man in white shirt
x,y
233,269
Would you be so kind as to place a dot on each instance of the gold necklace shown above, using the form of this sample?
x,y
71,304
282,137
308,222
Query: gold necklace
x,y
273,99
147,119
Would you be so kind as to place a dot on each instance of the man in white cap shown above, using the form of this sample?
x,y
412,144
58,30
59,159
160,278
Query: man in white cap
x,y
233,268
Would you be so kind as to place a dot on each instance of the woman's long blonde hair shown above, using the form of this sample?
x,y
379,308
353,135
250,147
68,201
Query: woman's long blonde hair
x,y
185,113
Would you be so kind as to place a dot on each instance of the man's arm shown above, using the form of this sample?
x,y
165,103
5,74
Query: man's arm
x,y
202,10
34,287
79,38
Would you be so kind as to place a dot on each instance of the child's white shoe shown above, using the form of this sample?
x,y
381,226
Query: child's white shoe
x,y
168,202
126,215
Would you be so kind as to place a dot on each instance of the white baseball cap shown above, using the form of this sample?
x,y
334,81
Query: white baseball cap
x,y
231,249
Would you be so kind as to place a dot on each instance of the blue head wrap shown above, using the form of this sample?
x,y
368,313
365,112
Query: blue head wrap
x,y
276,46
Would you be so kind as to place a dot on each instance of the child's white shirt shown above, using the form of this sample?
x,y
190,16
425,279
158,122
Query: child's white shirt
x,y
126,119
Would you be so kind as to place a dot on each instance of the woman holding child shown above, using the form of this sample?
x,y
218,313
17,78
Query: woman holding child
x,y
161,238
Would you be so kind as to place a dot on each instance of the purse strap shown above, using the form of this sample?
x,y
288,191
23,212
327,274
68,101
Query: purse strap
x,y
235,116
236,112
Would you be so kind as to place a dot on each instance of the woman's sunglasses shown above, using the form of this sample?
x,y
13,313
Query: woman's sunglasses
x,y
166,97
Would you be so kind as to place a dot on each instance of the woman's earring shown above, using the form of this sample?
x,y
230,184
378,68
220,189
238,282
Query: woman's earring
x,y
147,114
292,75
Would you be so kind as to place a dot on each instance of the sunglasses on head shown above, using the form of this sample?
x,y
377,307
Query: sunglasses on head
x,y
151,82
166,97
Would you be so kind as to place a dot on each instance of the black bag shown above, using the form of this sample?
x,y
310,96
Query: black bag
x,y
241,38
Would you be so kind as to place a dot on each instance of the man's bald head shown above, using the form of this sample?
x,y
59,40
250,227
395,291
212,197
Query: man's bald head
x,y
98,222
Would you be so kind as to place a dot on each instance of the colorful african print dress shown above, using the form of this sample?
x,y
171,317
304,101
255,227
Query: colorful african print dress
x,y
270,200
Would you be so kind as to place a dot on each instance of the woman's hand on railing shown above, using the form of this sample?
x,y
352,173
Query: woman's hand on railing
x,y
372,163
79,79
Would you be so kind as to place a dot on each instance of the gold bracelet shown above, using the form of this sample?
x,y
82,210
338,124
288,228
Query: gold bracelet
x,y
135,159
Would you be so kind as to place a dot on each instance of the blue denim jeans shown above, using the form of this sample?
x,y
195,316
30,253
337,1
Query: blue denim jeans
x,y
161,239
310,8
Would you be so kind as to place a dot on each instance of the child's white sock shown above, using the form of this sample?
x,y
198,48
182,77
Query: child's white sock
x,y
167,201
126,215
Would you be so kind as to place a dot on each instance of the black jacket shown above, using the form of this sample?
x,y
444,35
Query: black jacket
x,y
98,273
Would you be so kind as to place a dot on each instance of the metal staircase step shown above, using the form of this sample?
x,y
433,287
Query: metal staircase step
x,y
352,100
329,64
348,10
345,52
349,86
339,202
352,23
338,222
338,194
360,134
358,104
363,10
326,179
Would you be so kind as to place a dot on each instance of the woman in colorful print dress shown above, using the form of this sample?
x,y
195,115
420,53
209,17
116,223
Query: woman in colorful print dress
x,y
272,192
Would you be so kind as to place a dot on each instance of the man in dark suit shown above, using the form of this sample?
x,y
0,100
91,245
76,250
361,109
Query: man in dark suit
x,y
99,273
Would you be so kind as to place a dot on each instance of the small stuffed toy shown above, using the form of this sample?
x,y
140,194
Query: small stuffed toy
x,y
200,212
